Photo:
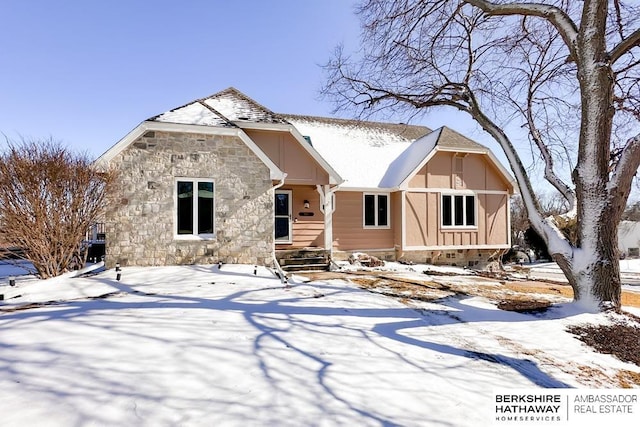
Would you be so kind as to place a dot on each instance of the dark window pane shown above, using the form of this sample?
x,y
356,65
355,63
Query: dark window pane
x,y
185,207
383,207
459,210
282,204
446,210
205,208
369,210
282,229
471,210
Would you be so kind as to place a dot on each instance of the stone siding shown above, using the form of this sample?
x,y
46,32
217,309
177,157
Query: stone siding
x,y
479,259
140,218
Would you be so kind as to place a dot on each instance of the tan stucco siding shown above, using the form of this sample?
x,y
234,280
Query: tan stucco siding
x,y
348,229
436,173
424,228
285,151
496,227
478,173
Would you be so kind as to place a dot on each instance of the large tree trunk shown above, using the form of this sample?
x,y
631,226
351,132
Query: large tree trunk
x,y
594,269
595,275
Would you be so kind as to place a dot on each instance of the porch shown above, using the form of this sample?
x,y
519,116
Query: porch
x,y
303,218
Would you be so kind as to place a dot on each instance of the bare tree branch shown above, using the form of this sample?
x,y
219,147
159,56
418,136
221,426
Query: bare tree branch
x,y
633,40
556,16
48,200
547,64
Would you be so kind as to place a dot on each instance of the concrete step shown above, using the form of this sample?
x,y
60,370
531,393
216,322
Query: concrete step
x,y
305,267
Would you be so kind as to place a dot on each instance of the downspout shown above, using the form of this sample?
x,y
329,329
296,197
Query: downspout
x,y
279,272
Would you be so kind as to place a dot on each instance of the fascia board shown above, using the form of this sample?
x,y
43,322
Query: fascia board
x,y
368,189
261,126
404,185
507,176
334,177
274,171
115,149
142,128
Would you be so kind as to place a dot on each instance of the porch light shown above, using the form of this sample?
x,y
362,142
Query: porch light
x,y
12,281
306,204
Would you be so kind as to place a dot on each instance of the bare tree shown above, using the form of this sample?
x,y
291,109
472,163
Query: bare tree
x,y
49,197
551,205
566,71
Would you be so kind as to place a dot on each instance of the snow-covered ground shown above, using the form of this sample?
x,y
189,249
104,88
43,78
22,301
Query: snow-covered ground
x,y
629,272
196,345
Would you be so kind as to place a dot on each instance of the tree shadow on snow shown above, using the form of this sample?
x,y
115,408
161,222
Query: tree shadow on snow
x,y
276,322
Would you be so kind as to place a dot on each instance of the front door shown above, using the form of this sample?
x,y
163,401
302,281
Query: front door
x,y
283,216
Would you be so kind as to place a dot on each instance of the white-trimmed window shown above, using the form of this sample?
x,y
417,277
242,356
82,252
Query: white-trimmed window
x,y
376,210
459,210
194,208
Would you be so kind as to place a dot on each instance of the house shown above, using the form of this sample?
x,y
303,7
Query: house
x,y
629,238
225,179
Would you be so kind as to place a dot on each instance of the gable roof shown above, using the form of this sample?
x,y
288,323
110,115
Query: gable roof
x,y
223,108
409,162
356,154
232,108
146,126
360,151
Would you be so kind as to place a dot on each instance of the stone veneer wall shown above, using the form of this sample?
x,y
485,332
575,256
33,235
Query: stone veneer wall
x,y
140,228
479,259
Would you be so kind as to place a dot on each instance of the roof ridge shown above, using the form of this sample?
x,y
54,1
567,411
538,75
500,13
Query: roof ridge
x,y
349,121
214,111
455,132
196,101
247,98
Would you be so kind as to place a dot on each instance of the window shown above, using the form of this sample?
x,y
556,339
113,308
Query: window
x,y
458,210
194,208
376,210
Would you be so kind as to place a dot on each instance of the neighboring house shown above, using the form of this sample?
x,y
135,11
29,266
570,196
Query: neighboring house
x,y
224,179
629,238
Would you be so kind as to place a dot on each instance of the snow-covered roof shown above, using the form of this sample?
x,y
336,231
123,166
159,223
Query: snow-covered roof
x,y
402,168
220,109
360,151
195,113
409,160
358,154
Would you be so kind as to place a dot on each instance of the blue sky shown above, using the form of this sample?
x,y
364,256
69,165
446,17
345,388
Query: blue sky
x,y
87,72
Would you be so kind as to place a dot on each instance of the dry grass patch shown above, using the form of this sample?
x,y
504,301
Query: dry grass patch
x,y
621,339
628,379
